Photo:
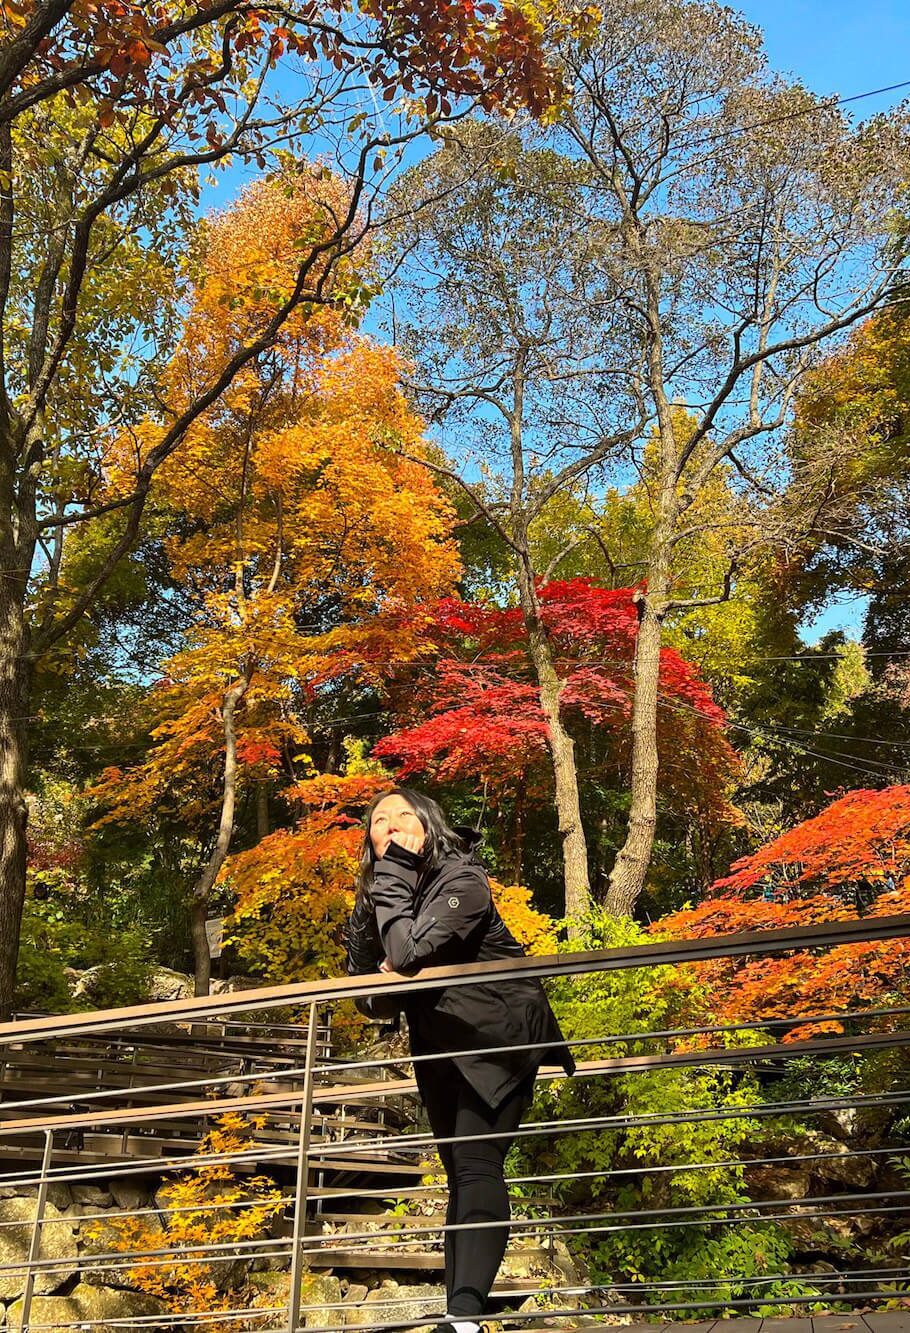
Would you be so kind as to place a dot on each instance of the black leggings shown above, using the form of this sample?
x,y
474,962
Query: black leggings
x,y
477,1188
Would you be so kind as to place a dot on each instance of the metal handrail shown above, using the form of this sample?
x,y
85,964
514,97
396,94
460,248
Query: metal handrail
x,y
305,993
300,1103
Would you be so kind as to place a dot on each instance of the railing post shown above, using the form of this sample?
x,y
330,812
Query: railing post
x,y
34,1248
300,1198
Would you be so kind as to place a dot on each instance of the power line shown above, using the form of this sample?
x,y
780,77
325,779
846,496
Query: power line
x,y
828,104
877,771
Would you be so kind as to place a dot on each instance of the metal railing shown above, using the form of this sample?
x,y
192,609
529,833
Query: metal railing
x,y
323,1128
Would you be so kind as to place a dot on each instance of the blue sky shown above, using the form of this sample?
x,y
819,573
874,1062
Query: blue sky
x,y
838,47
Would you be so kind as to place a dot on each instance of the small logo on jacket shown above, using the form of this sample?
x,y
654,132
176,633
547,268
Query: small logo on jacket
x,y
453,902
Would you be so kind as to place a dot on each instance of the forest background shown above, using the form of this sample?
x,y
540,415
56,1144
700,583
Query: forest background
x,y
546,378
502,435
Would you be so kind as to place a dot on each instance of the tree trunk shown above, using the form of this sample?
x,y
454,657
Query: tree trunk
x,y
562,751
627,879
262,809
202,960
14,697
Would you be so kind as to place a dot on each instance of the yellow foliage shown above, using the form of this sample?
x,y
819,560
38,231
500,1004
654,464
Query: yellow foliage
x,y
206,1206
535,930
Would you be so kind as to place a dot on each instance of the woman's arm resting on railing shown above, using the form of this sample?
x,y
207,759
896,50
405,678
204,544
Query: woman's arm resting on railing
x,y
416,940
365,954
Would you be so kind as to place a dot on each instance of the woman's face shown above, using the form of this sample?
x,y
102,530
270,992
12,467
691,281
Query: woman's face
x,y
394,815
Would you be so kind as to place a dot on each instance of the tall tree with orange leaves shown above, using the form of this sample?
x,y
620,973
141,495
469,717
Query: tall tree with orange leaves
x,y
305,547
855,853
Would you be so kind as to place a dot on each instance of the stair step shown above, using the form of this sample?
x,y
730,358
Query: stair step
x,y
365,1165
425,1260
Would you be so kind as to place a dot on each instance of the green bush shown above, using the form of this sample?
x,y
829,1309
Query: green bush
x,y
52,941
624,1168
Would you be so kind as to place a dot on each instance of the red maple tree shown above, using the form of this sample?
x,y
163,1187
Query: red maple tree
x,y
476,715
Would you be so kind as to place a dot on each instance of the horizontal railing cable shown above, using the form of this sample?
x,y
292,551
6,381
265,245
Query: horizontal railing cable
x,y
822,1046
703,1214
689,1211
752,1025
420,1142
672,1168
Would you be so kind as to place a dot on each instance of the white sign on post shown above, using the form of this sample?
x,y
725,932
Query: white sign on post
x,y
214,933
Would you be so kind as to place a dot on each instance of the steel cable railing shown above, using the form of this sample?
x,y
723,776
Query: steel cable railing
x,y
317,1146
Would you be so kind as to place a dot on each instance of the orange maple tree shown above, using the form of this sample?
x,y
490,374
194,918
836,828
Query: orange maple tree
x,y
113,113
809,875
295,889
305,546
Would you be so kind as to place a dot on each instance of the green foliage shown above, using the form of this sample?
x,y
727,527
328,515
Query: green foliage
x,y
52,942
629,1163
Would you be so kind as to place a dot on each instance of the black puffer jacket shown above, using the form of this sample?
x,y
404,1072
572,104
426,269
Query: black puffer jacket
x,y
441,917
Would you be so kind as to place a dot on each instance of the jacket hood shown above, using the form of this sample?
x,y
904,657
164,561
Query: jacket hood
x,y
471,837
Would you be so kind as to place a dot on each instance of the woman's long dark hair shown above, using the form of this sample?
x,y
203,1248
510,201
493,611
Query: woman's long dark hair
x,y
440,839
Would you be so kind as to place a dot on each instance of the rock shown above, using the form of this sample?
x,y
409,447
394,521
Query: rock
x,y
854,1172
541,1302
391,1303
356,1293
103,1237
92,1195
91,1308
166,984
779,1182
84,987
129,1198
58,1243
228,985
58,1194
814,1235
323,1295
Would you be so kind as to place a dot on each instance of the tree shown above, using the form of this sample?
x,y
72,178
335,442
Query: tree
x,y
294,890
848,460
109,111
209,1204
820,870
744,221
508,328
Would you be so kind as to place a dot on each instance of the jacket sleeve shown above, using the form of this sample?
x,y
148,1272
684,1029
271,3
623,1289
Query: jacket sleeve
x,y
410,940
365,953
362,938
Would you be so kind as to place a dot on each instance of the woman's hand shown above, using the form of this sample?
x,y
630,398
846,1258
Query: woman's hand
x,y
411,842
386,966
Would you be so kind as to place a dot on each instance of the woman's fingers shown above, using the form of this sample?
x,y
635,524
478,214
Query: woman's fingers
x,y
386,966
411,842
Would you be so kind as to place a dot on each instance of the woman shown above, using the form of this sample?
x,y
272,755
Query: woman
x,y
423,900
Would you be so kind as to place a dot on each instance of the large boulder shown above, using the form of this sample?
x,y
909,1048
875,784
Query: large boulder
x,y
166,984
60,1195
320,1293
90,1308
58,1245
229,985
780,1181
129,1197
